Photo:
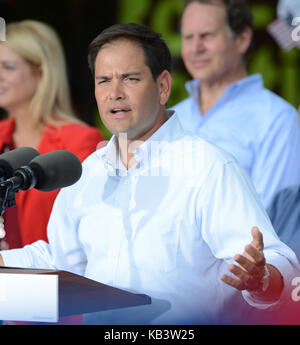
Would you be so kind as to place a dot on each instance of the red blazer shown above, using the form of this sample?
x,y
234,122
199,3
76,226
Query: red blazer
x,y
34,207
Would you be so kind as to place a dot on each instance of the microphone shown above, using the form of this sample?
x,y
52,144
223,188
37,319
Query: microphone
x,y
47,172
12,160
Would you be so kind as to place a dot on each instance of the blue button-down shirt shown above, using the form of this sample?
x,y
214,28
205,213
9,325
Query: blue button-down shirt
x,y
168,227
256,126
284,213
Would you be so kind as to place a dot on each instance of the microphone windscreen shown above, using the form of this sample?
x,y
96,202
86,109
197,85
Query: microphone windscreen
x,y
55,170
14,159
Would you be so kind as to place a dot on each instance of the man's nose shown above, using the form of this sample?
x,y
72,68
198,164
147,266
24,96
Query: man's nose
x,y
116,91
198,44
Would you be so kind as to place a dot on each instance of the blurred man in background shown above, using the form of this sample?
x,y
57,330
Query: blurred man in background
x,y
229,108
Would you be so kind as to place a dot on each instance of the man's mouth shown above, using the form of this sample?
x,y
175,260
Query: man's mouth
x,y
199,62
119,111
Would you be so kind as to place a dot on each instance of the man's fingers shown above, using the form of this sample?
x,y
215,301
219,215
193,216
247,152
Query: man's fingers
x,y
246,264
251,265
254,255
234,282
242,279
241,274
257,241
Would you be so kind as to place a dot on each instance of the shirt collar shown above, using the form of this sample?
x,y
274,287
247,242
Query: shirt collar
x,y
255,80
170,130
110,156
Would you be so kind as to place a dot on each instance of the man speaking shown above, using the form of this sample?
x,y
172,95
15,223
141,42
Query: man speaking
x,y
157,210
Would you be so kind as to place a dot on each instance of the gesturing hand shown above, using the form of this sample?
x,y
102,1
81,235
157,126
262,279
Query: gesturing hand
x,y
251,269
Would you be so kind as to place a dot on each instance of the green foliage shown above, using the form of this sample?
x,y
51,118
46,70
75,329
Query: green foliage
x,y
99,124
280,69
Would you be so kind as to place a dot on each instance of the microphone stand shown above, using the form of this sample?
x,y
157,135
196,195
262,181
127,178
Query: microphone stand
x,y
7,196
7,199
24,178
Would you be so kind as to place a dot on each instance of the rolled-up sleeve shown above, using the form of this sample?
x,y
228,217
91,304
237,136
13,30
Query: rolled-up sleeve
x,y
232,208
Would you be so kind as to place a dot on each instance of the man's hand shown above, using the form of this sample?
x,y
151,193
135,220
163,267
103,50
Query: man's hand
x,y
251,268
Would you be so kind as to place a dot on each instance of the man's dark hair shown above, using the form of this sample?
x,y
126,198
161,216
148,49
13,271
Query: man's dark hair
x,y
157,54
238,15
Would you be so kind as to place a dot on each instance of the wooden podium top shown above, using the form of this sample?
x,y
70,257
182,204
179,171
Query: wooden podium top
x,y
79,295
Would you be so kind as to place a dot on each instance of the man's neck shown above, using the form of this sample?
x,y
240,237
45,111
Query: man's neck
x,y
211,92
126,151
127,145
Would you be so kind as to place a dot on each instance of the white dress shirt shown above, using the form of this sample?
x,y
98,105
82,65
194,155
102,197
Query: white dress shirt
x,y
167,227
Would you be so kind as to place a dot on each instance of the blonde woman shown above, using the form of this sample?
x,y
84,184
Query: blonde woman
x,y
35,93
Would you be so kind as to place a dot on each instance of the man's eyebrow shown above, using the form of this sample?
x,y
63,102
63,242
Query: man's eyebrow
x,y
101,77
129,74
123,75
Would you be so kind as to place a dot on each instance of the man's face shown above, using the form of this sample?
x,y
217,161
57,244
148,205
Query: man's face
x,y
128,98
209,51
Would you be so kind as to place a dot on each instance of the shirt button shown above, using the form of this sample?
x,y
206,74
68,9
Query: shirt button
x,y
127,182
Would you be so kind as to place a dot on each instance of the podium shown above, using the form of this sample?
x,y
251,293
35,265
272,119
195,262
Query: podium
x,y
75,295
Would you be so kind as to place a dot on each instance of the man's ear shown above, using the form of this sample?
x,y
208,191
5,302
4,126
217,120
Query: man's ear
x,y
243,40
164,82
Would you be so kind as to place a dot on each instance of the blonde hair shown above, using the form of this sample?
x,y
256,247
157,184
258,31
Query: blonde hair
x,y
40,46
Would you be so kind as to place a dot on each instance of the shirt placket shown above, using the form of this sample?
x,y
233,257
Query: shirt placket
x,y
119,237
